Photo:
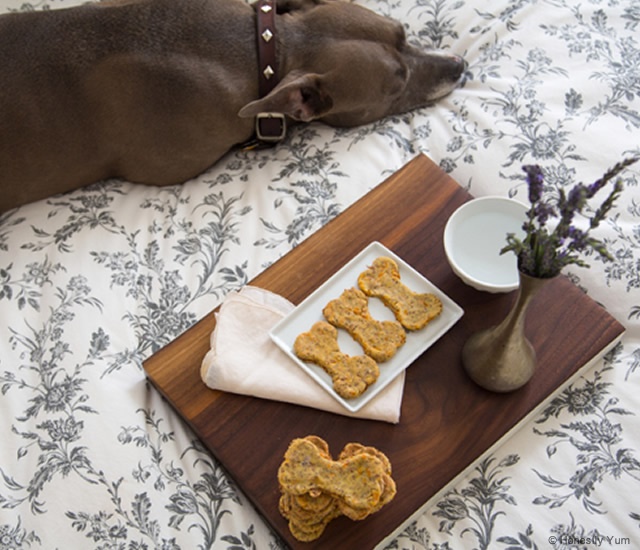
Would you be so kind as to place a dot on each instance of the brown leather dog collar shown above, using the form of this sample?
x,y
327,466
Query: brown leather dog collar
x,y
270,127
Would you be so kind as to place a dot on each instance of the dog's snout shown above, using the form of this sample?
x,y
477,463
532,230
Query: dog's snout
x,y
450,67
459,60
458,66
434,74
462,62
463,74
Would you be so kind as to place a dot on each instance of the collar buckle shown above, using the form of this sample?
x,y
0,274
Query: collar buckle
x,y
271,127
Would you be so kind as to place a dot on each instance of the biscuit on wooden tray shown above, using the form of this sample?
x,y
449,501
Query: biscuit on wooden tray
x,y
413,310
351,375
316,489
379,339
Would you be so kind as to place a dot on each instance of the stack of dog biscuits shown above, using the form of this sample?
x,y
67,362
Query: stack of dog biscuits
x,y
380,340
316,489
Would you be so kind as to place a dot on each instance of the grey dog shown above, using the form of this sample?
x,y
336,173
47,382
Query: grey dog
x,y
155,91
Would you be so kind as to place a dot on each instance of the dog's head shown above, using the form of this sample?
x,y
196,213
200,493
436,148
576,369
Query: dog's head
x,y
346,65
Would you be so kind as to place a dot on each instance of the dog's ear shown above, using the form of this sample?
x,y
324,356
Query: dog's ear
x,y
299,96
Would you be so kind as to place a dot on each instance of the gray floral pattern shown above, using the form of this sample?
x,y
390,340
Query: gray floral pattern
x,y
95,281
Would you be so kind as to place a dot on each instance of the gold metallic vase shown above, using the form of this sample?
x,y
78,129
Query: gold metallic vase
x,y
500,358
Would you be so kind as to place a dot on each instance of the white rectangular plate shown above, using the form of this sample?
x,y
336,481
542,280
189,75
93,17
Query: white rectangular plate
x,y
310,311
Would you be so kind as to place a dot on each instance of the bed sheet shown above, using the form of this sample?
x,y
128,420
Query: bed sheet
x,y
95,281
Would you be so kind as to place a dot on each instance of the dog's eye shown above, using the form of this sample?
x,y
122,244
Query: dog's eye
x,y
402,72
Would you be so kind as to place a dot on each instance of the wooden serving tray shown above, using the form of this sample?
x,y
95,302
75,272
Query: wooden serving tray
x,y
447,421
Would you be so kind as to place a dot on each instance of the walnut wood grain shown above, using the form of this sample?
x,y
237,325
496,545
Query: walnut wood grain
x,y
447,421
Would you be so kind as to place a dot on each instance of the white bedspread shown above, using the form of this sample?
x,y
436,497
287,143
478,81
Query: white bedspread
x,y
94,282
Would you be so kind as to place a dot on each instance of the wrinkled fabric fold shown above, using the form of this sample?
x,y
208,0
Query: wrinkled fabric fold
x,y
243,359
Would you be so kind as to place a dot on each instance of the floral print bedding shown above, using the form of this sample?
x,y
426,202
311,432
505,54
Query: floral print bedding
x,y
95,281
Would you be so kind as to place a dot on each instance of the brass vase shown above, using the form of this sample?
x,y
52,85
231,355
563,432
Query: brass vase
x,y
500,358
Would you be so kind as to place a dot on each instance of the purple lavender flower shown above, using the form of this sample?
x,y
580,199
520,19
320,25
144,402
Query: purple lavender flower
x,y
540,210
577,237
543,212
609,174
543,252
535,181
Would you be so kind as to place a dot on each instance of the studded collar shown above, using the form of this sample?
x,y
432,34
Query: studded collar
x,y
267,61
270,127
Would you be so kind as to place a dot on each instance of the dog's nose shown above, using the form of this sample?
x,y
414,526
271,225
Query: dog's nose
x,y
460,63
453,66
458,68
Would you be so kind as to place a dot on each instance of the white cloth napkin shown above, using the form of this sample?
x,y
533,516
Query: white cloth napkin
x,y
243,359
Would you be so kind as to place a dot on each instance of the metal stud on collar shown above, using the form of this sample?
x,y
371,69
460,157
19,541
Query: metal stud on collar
x,y
268,72
266,35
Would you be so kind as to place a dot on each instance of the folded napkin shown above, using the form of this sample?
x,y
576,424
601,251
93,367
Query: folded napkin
x,y
243,359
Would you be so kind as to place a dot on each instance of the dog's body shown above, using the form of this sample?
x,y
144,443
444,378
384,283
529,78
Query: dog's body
x,y
155,91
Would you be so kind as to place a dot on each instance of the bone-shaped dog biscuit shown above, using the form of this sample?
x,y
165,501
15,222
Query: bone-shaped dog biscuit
x,y
379,339
355,480
307,526
388,485
352,449
351,375
359,483
323,446
319,510
413,310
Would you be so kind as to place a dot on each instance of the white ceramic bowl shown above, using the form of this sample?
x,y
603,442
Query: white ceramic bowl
x,y
473,237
